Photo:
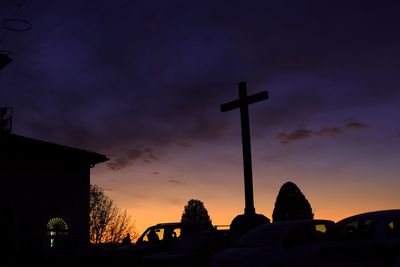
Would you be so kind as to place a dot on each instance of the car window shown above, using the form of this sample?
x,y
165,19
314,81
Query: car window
x,y
321,232
154,235
160,233
170,233
367,229
358,229
176,233
305,234
392,228
320,228
263,236
349,230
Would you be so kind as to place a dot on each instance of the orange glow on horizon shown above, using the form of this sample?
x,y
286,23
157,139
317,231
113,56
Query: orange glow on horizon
x,y
335,186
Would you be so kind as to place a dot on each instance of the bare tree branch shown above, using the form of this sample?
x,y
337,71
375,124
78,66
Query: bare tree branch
x,y
108,224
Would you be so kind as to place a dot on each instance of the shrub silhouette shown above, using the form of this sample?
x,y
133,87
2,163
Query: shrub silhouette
x,y
291,204
195,212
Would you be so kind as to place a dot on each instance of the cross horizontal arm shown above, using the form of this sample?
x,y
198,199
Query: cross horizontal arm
x,y
230,105
249,100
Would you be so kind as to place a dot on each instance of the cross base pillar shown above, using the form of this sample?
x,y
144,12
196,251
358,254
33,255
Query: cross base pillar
x,y
243,223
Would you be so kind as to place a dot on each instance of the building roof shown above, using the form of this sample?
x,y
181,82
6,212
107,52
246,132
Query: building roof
x,y
22,147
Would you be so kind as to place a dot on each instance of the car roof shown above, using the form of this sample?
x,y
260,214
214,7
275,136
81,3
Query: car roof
x,y
274,232
302,221
372,214
178,224
289,223
168,224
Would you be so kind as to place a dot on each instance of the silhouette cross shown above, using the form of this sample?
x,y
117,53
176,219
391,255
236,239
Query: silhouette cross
x,y
242,103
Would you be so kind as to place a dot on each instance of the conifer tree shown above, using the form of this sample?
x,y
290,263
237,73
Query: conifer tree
x,y
195,212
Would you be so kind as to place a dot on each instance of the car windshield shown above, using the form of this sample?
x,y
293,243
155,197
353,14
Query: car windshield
x,y
158,233
264,236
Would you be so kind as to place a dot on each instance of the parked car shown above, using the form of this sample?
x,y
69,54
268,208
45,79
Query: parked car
x,y
155,239
191,249
287,243
366,239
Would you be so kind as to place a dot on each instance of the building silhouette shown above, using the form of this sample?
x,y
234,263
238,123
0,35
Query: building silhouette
x,y
44,199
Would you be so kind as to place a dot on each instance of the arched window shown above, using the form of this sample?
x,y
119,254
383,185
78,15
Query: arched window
x,y
57,230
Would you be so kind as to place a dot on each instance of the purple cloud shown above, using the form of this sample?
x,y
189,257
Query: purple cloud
x,y
286,138
299,134
356,125
146,154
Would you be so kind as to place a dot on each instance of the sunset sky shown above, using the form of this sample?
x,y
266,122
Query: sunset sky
x,y
142,82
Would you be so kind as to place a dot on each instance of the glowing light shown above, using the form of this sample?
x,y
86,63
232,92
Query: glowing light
x,y
56,227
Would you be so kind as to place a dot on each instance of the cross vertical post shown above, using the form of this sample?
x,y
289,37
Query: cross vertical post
x,y
242,103
246,146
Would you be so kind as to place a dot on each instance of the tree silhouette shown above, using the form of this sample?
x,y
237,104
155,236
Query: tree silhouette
x,y
108,224
291,204
195,212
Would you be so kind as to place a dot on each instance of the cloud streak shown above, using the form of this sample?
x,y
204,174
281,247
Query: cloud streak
x,y
175,181
356,125
147,155
286,138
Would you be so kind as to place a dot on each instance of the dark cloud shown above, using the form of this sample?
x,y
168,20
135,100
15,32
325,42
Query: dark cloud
x,y
299,134
117,72
286,138
119,163
155,173
175,201
106,188
146,154
138,195
330,131
357,125
133,154
153,157
184,144
175,181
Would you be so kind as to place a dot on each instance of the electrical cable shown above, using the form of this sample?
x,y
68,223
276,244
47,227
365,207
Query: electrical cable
x,y
13,19
40,37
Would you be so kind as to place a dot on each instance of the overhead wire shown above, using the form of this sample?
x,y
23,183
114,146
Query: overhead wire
x,y
57,25
40,37
19,5
88,2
